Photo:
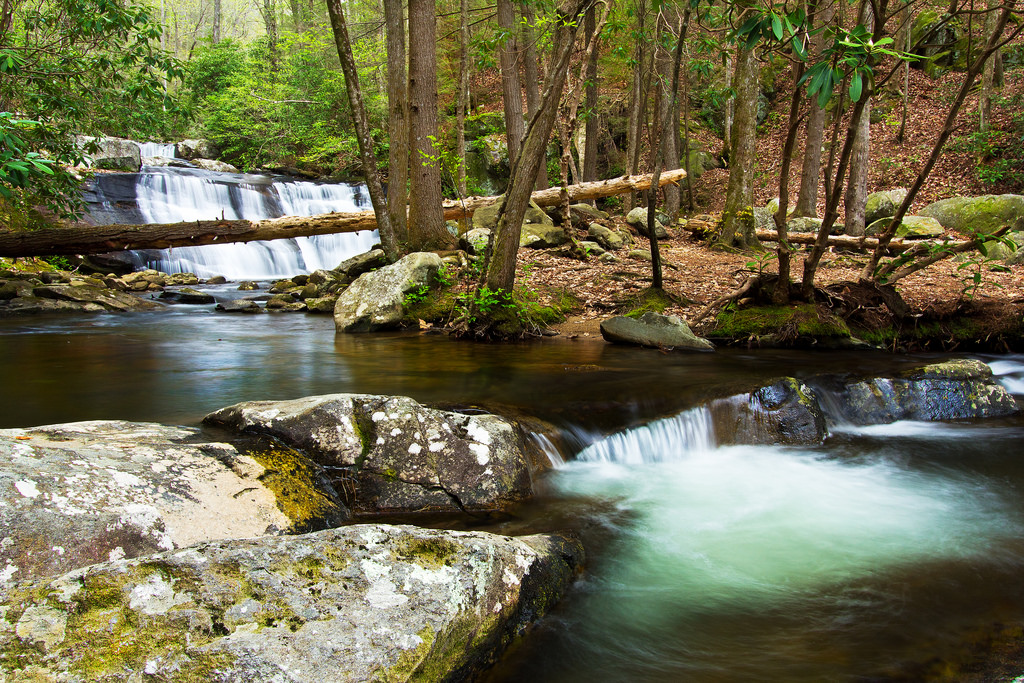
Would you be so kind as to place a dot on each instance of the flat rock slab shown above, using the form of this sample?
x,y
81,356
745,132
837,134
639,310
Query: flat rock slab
x,y
75,494
390,454
359,603
654,330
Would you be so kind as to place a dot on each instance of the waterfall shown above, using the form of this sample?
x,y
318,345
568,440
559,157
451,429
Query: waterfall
x,y
170,195
158,149
664,440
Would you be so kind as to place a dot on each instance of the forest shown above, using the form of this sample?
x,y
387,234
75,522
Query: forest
x,y
805,108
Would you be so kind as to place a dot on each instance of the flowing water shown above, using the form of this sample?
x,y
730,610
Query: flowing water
x,y
889,553
171,195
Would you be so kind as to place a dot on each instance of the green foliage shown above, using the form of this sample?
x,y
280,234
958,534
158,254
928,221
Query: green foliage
x,y
70,67
999,152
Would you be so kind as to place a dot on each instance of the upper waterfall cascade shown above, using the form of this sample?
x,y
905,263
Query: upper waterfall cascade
x,y
171,195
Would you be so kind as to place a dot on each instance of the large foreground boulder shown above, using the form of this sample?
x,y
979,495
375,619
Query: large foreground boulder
x,y
390,454
654,330
953,390
360,603
114,154
376,300
985,214
75,494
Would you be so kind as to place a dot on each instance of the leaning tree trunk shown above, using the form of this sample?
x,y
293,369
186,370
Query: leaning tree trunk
x,y
362,125
427,230
501,271
398,121
533,82
741,161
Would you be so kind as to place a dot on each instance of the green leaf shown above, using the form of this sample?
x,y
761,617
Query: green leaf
x,y
776,26
855,86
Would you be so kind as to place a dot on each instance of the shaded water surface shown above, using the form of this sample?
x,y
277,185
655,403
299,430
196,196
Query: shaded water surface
x,y
889,553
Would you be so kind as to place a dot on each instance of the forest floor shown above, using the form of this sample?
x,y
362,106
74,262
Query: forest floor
x,y
698,275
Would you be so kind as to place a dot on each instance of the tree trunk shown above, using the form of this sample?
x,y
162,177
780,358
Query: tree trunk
x,y
637,98
727,110
533,82
741,162
398,121
814,131
100,239
511,86
591,129
217,14
669,120
362,126
988,74
269,14
501,272
462,105
426,222
855,201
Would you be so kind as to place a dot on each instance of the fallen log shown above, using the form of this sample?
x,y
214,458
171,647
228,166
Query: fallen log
x,y
898,244
98,239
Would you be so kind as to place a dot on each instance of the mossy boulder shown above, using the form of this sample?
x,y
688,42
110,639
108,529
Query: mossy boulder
x,y
653,330
770,326
359,603
952,390
883,204
783,412
376,300
390,454
911,227
486,217
541,236
985,215
75,494
607,238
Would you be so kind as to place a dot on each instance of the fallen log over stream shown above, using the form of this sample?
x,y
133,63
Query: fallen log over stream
x,y
86,239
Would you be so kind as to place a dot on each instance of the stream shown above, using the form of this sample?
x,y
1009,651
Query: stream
x,y
891,552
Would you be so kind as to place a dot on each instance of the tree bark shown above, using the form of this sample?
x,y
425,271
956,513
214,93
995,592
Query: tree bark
x,y
426,223
637,97
533,81
669,120
269,13
362,126
511,86
462,104
217,14
398,121
99,239
501,271
589,162
814,133
855,200
741,161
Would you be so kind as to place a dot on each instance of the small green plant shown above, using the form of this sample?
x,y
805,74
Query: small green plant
x,y
417,295
761,261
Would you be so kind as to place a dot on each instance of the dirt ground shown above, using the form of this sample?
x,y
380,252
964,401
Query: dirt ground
x,y
698,275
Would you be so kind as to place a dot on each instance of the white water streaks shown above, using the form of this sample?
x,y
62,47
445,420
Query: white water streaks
x,y
169,195
1010,373
703,542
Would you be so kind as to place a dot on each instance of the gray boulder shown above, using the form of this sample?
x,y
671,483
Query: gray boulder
x,y
239,306
984,214
953,390
188,295
362,263
359,603
76,494
215,165
114,154
376,300
541,235
88,297
637,218
197,149
654,330
393,454
475,241
583,215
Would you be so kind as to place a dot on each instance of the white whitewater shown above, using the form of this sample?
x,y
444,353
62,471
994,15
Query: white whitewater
x,y
168,195
695,529
158,149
